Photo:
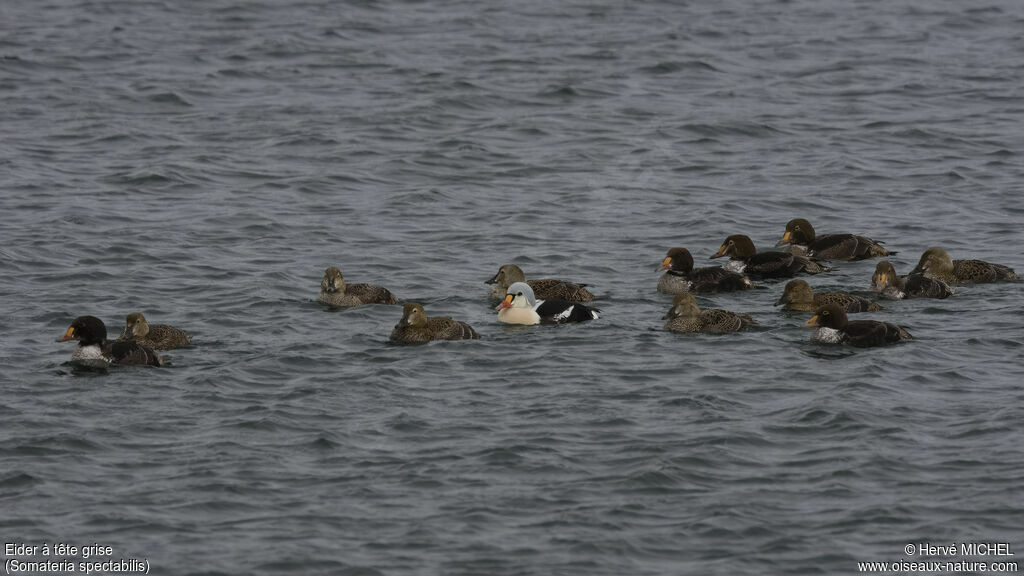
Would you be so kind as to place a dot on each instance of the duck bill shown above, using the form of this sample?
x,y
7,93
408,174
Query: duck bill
x,y
719,254
493,280
880,281
69,335
783,300
666,264
814,321
506,303
786,239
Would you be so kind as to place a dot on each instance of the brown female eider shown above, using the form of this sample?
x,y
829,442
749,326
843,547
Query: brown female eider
x,y
935,263
155,336
335,292
682,277
745,259
835,328
686,316
891,285
544,289
800,233
94,350
416,327
798,295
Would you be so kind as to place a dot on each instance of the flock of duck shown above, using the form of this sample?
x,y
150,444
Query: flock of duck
x,y
552,301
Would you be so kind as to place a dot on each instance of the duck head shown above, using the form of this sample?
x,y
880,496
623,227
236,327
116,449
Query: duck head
x,y
413,315
884,276
934,261
796,291
798,231
135,326
829,316
678,259
682,305
736,246
87,330
333,281
507,275
519,295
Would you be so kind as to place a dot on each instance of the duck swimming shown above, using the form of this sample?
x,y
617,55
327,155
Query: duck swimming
x,y
835,328
682,277
95,351
520,306
798,295
744,258
936,263
686,316
416,327
891,285
545,288
799,233
155,336
335,292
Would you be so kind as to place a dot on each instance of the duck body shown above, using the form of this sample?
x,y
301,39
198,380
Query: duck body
x,y
681,276
334,291
520,306
800,233
155,336
891,285
95,351
936,263
744,258
833,327
416,327
686,316
543,289
798,295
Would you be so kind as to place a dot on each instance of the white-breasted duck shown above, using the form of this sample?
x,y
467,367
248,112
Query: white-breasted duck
x,y
799,233
833,327
936,263
155,336
892,285
544,288
681,277
686,316
520,306
416,327
798,295
95,351
744,258
335,292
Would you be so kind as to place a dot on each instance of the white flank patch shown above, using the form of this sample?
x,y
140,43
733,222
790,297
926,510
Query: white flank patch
x,y
827,335
89,356
564,313
736,266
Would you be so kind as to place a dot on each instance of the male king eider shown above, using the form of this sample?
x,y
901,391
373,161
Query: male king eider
x,y
521,307
94,350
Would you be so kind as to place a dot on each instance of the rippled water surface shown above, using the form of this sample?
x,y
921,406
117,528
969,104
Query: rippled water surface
x,y
204,162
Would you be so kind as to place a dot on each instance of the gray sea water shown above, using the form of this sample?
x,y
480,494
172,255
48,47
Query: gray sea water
x,y
204,162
